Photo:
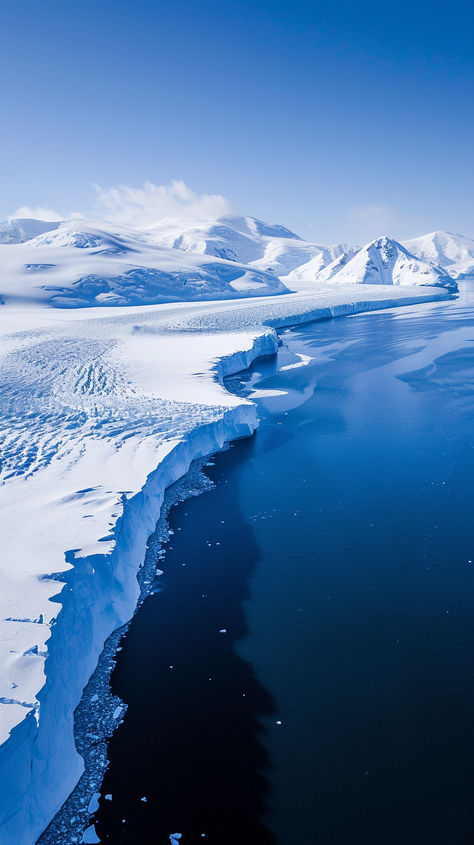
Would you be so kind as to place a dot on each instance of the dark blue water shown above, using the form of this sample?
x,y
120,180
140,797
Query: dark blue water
x,y
336,551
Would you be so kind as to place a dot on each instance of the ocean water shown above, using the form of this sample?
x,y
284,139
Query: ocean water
x,y
304,672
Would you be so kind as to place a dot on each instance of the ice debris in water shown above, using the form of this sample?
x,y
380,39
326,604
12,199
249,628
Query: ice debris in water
x,y
90,836
175,837
93,803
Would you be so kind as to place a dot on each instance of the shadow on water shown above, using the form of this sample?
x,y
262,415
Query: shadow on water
x,y
190,741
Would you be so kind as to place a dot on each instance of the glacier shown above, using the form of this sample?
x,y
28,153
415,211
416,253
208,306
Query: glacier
x,y
102,411
106,401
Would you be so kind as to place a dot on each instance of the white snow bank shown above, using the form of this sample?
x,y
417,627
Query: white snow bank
x,y
101,410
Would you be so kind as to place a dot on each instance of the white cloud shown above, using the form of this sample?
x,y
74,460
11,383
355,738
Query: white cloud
x,y
37,213
140,206
144,206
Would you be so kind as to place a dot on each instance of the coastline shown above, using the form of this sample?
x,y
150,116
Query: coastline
x,y
139,512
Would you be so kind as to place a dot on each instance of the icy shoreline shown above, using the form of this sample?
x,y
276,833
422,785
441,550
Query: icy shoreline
x,y
100,712
39,763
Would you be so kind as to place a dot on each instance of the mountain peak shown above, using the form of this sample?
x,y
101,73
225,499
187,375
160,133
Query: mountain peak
x,y
18,230
384,261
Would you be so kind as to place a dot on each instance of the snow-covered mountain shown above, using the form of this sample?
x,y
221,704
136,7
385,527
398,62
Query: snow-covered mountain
x,y
268,247
453,252
386,262
82,263
21,229
323,266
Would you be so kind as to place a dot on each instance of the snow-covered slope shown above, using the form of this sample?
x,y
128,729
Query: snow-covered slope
x,y
83,263
386,262
453,252
322,267
21,229
245,239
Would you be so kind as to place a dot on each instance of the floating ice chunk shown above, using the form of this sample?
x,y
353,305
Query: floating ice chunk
x,y
223,631
144,799
266,394
175,837
304,360
93,803
108,797
90,836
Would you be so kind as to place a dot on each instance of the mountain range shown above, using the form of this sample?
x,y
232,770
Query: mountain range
x,y
83,262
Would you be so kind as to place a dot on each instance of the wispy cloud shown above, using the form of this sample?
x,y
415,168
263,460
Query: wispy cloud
x,y
145,205
140,206
37,213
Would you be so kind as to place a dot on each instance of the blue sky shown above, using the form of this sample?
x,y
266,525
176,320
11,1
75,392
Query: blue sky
x,y
342,121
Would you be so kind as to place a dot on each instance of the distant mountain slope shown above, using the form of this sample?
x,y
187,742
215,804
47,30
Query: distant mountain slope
x,y
453,252
19,229
84,263
324,265
245,239
386,262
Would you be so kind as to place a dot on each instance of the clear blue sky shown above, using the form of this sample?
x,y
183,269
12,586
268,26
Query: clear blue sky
x,y
341,120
